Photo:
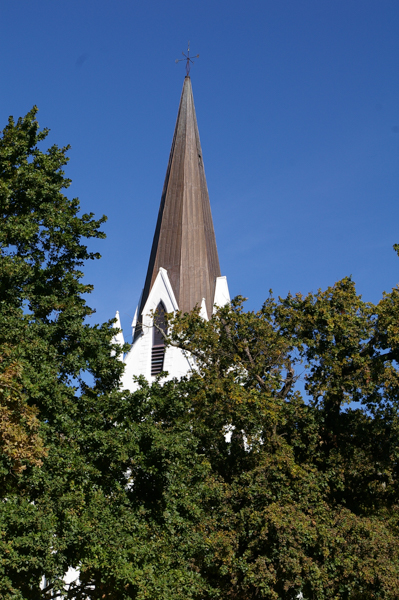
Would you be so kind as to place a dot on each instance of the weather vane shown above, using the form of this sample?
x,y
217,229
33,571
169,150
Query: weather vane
x,y
189,61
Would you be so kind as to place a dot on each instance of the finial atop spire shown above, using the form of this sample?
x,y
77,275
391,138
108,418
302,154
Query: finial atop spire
x,y
189,61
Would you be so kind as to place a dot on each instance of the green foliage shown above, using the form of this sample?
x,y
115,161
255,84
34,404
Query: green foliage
x,y
307,486
47,352
19,439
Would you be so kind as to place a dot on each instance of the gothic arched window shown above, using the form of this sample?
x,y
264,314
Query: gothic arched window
x,y
158,340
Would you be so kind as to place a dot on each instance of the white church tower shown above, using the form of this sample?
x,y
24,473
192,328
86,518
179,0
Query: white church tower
x,y
183,269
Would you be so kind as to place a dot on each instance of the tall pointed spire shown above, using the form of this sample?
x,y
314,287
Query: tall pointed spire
x,y
183,270
184,242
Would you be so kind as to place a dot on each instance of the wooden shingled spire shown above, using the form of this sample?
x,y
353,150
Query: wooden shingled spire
x,y
184,241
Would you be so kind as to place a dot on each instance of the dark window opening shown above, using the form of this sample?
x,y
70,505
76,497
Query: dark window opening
x,y
158,340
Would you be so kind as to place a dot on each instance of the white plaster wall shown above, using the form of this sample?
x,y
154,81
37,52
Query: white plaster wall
x,y
138,360
118,338
177,363
222,294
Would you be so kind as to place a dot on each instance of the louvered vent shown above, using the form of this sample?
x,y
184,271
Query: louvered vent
x,y
158,342
157,356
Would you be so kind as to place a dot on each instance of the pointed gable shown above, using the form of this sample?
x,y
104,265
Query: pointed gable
x,y
184,242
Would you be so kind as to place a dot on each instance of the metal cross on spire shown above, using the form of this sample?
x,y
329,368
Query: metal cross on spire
x,y
189,61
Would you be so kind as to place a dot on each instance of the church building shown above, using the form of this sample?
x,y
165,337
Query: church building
x,y
183,269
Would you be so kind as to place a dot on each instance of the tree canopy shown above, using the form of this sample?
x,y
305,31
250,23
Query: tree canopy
x,y
271,471
308,482
48,351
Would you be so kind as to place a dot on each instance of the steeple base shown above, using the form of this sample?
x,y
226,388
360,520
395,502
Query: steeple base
x,y
147,355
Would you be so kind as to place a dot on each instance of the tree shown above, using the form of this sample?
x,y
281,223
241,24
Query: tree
x,y
40,291
303,498
47,352
242,487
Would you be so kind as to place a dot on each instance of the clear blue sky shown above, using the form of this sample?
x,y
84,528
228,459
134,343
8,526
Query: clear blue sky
x,y
298,109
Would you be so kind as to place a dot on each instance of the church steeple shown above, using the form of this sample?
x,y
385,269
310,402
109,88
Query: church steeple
x,y
184,266
184,242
